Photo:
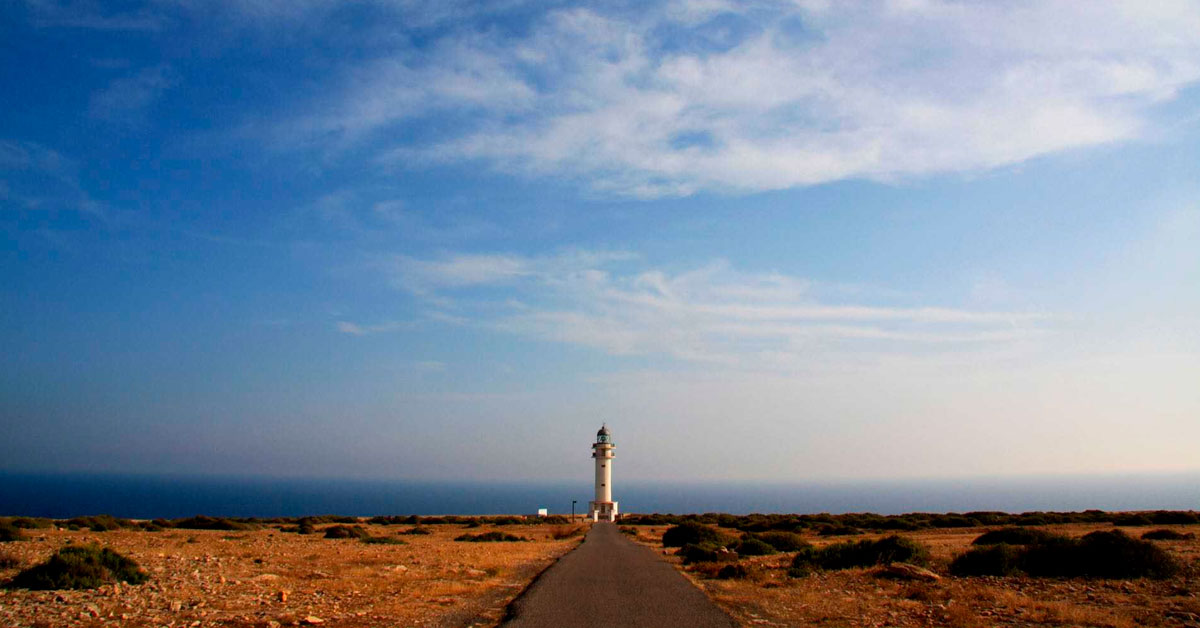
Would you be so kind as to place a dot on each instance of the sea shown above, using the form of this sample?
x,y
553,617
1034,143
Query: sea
x,y
147,497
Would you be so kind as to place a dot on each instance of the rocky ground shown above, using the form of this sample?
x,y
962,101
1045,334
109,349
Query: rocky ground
x,y
857,597
266,578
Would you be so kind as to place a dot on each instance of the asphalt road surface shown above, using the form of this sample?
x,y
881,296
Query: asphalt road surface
x,y
611,581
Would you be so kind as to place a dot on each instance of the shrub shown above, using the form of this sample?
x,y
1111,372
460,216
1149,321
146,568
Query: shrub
x,y
30,523
891,549
346,532
730,572
383,540
691,533
9,534
1114,554
1169,517
1167,535
991,560
417,530
80,567
490,537
783,541
568,531
1106,554
755,547
1132,519
99,523
1015,536
837,529
705,553
201,522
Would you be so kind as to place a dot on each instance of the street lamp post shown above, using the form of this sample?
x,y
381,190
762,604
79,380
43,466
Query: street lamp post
x,y
573,510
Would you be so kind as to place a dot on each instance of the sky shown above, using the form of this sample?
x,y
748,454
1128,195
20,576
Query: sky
x,y
779,241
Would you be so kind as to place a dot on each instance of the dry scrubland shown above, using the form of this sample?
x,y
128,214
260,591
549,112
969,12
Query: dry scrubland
x,y
767,596
266,577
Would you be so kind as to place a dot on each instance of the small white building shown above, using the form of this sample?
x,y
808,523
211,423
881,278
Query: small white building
x,y
603,508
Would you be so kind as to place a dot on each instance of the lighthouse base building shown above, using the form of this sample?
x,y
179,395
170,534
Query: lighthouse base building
x,y
603,508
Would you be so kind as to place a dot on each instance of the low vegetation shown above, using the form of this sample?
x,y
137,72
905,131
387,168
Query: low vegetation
x,y
9,533
705,553
692,533
1016,536
890,549
346,532
201,522
783,541
490,537
755,547
79,567
567,531
8,561
383,540
1101,554
1167,535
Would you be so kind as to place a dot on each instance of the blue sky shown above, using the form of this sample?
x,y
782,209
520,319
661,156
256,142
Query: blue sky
x,y
779,241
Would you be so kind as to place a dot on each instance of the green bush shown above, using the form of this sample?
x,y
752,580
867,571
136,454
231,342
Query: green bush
x,y
837,529
1105,554
1167,535
990,560
891,549
755,547
1132,519
9,534
383,540
8,561
1015,536
783,541
490,537
705,553
30,523
1169,518
417,530
100,523
201,522
346,532
691,533
80,567
731,572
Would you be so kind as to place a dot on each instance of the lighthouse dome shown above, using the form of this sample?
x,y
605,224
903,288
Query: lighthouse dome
x,y
603,431
603,436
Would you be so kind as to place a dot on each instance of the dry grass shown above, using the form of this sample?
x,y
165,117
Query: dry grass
x,y
254,578
853,597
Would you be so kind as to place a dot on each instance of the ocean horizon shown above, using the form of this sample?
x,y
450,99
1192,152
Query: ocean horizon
x,y
146,497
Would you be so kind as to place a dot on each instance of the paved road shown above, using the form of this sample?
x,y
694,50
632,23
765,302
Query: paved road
x,y
611,581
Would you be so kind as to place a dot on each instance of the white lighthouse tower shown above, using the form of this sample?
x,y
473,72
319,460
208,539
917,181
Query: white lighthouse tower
x,y
604,508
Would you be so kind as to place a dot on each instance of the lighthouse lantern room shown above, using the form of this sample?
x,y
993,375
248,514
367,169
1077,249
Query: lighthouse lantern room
x,y
603,508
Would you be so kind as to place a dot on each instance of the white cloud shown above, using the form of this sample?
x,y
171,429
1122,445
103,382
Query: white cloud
x,y
713,314
804,95
356,329
126,99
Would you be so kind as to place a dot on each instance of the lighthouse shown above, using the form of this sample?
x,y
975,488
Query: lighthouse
x,y
604,508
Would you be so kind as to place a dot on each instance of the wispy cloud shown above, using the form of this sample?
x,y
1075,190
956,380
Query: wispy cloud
x,y
713,314
357,329
92,15
686,96
34,177
127,98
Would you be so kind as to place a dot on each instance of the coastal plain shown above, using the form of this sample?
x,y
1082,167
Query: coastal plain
x,y
265,578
